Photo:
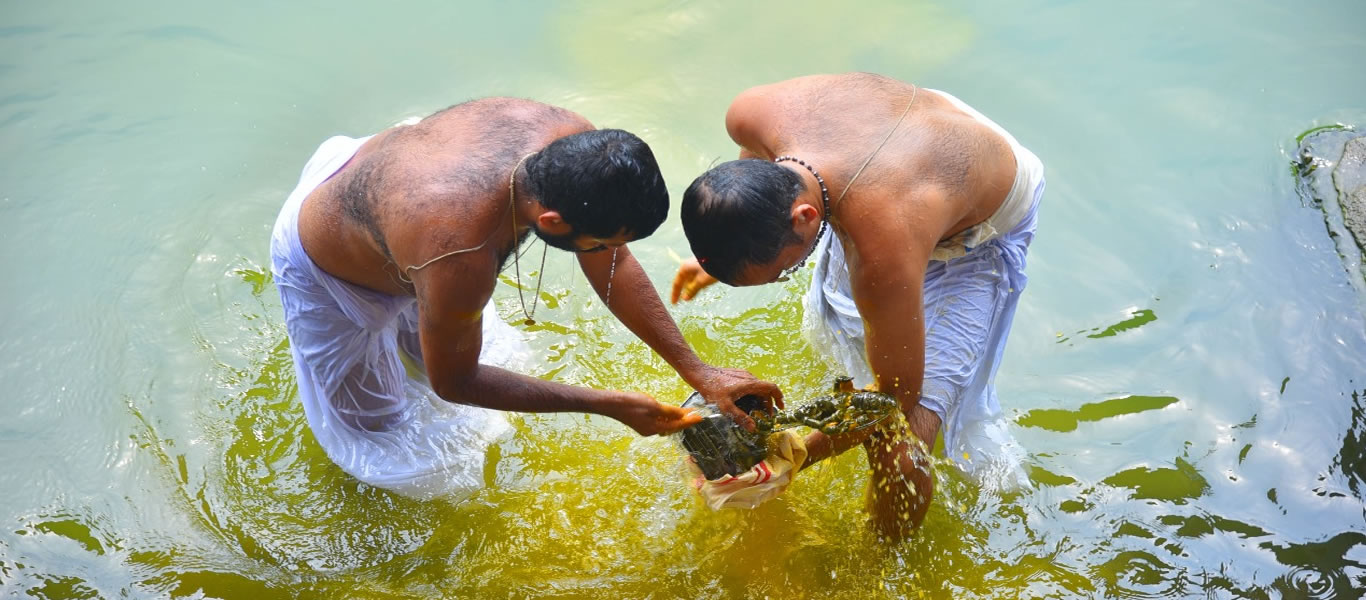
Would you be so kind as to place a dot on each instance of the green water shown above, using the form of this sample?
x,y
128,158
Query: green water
x,y
1187,371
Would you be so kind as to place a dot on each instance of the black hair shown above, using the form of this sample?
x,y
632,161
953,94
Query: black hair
x,y
738,214
602,182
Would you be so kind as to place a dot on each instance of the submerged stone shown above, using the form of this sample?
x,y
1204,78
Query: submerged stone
x,y
1354,214
1349,177
1330,165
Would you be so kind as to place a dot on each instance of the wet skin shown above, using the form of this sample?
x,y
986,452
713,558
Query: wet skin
x,y
419,191
941,172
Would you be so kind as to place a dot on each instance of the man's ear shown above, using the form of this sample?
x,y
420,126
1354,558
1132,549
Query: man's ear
x,y
803,214
552,223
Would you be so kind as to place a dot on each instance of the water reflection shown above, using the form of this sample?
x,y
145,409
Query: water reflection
x,y
1352,458
1137,318
1066,420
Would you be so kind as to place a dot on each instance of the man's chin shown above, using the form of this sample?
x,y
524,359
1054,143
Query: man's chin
x,y
558,242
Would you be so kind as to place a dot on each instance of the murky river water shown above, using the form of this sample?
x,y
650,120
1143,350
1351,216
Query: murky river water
x,y
1187,371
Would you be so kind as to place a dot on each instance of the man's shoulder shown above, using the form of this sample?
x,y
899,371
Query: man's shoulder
x,y
497,108
800,95
826,84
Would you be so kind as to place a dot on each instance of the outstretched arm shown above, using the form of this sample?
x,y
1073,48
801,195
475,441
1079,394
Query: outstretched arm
x,y
635,302
450,312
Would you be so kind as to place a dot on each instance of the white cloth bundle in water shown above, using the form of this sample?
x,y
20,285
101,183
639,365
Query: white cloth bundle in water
x,y
972,286
378,422
763,481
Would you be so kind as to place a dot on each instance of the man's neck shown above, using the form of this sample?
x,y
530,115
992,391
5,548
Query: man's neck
x,y
812,194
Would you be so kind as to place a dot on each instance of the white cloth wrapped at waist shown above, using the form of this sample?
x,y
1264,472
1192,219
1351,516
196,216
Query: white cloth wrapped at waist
x,y
972,286
377,420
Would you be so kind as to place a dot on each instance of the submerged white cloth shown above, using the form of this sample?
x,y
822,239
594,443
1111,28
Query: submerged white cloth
x,y
972,285
379,422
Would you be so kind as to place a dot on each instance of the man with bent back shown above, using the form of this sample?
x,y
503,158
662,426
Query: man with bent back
x,y
386,256
930,208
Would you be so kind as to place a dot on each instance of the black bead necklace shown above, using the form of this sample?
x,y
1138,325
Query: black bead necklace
x,y
825,196
825,219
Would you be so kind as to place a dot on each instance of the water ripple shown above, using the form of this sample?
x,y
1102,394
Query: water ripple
x,y
1303,582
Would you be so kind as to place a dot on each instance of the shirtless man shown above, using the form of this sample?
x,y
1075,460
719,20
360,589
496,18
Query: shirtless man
x,y
931,208
387,255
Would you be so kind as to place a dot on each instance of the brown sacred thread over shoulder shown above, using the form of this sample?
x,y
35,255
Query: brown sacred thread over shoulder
x,y
511,196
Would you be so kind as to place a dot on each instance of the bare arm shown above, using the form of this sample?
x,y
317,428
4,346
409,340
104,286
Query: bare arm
x,y
888,290
749,123
636,303
451,298
888,253
887,274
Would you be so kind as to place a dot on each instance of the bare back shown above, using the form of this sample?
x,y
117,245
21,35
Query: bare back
x,y
940,172
417,191
837,121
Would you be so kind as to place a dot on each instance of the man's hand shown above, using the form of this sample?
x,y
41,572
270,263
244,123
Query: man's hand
x,y
689,280
723,387
649,417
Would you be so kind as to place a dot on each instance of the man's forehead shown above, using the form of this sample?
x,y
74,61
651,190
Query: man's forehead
x,y
752,273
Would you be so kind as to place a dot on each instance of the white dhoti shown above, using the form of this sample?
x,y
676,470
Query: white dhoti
x,y
972,285
379,423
